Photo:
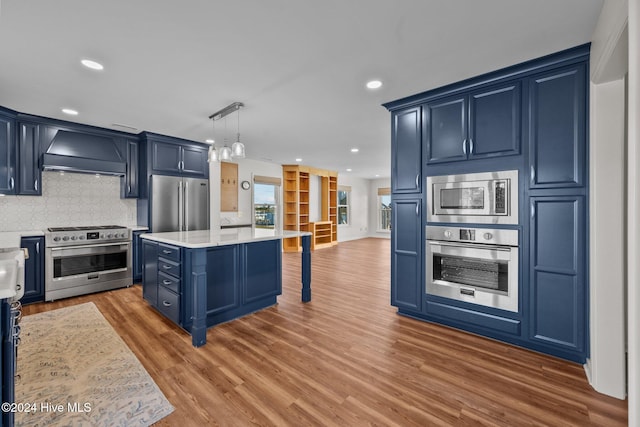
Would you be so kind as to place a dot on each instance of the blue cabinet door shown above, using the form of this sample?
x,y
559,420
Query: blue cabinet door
x,y
33,270
407,243
494,121
194,161
557,274
263,270
406,150
7,156
131,183
557,130
446,134
223,274
150,272
166,157
30,177
137,260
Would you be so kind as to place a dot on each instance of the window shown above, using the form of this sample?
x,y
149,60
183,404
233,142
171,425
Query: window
x,y
384,209
344,194
266,202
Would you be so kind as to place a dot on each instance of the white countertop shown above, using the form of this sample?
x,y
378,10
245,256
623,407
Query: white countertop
x,y
138,228
229,236
11,239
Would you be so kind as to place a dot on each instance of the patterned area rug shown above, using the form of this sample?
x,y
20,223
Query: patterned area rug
x,y
76,371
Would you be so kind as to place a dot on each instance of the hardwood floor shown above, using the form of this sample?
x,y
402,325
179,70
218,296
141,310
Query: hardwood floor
x,y
347,359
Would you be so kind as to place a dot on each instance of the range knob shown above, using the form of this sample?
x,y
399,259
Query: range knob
x,y
109,236
65,238
102,236
448,234
73,237
122,235
56,239
488,236
81,237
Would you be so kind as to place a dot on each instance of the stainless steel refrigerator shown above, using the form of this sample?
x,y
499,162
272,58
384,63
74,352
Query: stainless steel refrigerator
x,y
179,204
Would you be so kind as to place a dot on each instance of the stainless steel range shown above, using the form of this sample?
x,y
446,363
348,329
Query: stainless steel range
x,y
83,260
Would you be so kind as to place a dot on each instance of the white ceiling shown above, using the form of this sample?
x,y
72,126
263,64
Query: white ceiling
x,y
299,66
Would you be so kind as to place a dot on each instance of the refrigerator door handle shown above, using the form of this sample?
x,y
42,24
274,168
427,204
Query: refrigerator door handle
x,y
186,206
180,207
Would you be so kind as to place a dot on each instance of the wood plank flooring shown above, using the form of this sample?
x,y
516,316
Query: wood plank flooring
x,y
347,359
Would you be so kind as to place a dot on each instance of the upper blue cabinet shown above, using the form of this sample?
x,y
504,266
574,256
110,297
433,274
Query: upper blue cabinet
x,y
7,155
557,132
131,179
176,158
30,174
479,124
406,149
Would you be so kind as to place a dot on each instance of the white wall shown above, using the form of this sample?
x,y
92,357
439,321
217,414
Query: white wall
x,y
358,226
315,198
69,199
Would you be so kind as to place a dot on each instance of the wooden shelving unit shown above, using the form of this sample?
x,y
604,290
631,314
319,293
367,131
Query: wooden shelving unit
x,y
321,234
296,206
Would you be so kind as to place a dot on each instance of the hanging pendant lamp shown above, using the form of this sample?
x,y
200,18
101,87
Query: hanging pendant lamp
x,y
236,150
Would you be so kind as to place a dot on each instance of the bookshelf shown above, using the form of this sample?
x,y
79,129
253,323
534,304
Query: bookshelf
x,y
321,234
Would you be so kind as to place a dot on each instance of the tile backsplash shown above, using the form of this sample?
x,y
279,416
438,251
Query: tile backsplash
x,y
69,199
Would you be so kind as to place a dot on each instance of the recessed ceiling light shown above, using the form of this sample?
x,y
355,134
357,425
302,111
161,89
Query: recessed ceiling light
x,y
70,112
349,170
354,150
377,175
298,160
374,84
209,141
92,64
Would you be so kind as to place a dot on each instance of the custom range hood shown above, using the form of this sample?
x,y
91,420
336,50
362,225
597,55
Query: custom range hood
x,y
85,153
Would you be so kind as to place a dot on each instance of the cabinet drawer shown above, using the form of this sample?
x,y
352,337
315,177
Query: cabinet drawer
x,y
169,267
169,252
169,281
169,304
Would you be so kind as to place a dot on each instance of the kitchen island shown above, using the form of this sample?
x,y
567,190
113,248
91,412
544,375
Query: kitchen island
x,y
199,279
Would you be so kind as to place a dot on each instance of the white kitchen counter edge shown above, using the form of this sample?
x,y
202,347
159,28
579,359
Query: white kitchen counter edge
x,y
212,238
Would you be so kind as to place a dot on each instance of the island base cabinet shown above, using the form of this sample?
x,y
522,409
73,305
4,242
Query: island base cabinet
x,y
150,272
558,287
263,270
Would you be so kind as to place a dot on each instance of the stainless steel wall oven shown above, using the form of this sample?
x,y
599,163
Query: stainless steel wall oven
x,y
475,265
82,260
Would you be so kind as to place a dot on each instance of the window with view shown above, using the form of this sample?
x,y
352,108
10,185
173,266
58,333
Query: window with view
x,y
265,202
343,205
384,209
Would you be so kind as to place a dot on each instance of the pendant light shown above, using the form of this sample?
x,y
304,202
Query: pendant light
x,y
227,153
213,153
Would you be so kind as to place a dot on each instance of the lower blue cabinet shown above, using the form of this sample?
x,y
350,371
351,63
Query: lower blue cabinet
x,y
33,269
150,272
407,243
136,258
557,274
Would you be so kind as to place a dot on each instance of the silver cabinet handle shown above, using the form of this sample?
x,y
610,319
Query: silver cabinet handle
x,y
533,211
129,189
166,282
166,303
35,185
166,251
464,146
470,146
533,174
37,247
186,205
417,180
12,185
166,267
417,209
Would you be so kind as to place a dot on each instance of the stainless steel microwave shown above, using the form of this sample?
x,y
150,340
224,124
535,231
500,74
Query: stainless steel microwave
x,y
488,198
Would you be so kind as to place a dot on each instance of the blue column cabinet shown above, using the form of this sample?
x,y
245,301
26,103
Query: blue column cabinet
x,y
479,124
557,132
30,176
33,269
131,180
136,258
406,158
407,249
150,272
557,273
7,155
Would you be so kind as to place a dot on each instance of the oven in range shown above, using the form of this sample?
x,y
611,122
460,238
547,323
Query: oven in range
x,y
82,260
476,265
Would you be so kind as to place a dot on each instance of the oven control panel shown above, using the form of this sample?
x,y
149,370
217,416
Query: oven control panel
x,y
86,235
473,235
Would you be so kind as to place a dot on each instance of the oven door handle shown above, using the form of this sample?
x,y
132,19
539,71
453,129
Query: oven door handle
x,y
87,249
471,246
465,250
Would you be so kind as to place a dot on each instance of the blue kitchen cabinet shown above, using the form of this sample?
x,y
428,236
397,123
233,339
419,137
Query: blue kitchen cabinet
x,y
33,269
558,128
407,248
150,272
406,150
7,154
474,124
223,278
557,275
169,282
30,174
131,179
137,259
261,278
179,159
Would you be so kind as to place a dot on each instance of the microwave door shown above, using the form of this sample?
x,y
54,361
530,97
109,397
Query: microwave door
x,y
462,198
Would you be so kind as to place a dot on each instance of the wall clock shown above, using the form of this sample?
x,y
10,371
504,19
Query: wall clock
x,y
245,185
